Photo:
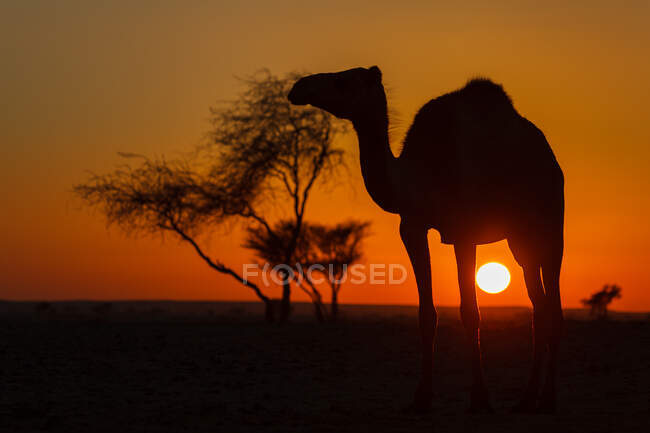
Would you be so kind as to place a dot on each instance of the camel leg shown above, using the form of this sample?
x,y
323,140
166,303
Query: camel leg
x,y
414,237
470,316
541,324
551,276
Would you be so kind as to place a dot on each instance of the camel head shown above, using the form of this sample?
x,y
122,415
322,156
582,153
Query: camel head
x,y
347,94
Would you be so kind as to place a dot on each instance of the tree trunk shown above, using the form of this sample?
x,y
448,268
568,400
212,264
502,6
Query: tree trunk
x,y
335,304
270,309
285,305
318,307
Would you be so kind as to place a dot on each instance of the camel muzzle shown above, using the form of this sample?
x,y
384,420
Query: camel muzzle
x,y
296,97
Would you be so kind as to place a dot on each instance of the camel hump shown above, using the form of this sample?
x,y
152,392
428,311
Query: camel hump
x,y
485,91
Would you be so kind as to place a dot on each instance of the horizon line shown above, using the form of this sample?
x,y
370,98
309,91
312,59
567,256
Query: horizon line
x,y
293,302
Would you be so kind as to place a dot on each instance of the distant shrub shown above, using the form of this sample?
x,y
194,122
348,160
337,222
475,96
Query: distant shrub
x,y
599,301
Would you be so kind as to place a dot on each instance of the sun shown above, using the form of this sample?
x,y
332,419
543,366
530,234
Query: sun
x,y
493,277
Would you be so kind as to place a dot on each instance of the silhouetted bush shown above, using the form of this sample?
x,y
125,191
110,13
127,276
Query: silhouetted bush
x,y
271,246
599,301
337,248
329,250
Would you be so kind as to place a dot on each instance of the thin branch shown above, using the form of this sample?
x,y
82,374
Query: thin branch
x,y
219,267
251,214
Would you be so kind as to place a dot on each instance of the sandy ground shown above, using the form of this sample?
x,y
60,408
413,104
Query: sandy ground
x,y
216,367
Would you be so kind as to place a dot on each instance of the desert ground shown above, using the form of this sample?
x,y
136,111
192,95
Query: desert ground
x,y
217,367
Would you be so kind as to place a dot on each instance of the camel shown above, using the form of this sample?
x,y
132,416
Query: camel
x,y
476,171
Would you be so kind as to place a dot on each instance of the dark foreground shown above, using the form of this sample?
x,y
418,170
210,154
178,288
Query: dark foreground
x,y
215,367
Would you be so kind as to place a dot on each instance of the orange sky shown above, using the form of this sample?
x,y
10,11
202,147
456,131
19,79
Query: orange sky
x,y
81,81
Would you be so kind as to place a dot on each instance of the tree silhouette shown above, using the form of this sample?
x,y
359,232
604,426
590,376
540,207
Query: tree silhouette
x,y
261,152
327,249
599,301
262,139
271,246
337,248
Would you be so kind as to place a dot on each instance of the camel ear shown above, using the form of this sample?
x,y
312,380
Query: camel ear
x,y
375,73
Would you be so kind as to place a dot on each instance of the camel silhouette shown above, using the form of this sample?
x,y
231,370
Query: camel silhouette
x,y
478,172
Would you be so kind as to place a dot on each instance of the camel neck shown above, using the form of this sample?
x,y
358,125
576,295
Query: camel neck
x,y
378,164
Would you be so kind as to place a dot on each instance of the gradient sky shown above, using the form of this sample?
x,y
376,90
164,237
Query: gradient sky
x,y
82,80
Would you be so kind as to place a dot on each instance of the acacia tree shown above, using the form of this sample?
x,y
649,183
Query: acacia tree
x,y
261,152
327,249
262,139
271,247
336,248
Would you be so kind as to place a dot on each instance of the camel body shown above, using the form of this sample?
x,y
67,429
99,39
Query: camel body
x,y
475,169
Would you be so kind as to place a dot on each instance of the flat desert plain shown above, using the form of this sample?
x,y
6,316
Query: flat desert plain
x,y
217,367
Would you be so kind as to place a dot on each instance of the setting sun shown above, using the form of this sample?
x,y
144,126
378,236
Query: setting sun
x,y
493,277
